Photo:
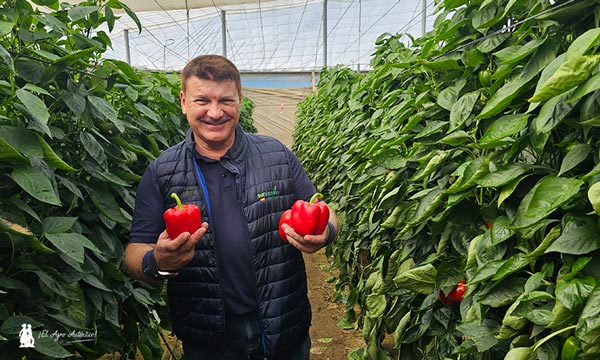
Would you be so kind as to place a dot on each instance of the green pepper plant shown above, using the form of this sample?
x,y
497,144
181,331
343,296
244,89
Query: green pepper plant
x,y
76,133
468,153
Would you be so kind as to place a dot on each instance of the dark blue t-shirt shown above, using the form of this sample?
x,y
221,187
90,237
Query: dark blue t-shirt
x,y
228,224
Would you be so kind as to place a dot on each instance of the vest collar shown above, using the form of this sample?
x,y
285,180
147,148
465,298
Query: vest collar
x,y
235,153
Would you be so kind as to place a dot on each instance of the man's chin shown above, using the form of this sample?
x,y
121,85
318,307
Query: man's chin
x,y
217,135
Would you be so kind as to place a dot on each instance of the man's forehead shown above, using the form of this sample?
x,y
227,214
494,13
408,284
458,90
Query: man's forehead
x,y
198,81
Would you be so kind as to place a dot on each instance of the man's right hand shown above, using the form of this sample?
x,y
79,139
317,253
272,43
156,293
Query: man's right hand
x,y
169,254
173,254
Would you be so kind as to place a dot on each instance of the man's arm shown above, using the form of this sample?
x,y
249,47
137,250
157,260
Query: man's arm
x,y
134,253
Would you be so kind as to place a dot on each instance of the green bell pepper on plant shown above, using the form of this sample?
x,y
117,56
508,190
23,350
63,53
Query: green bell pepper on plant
x,y
569,349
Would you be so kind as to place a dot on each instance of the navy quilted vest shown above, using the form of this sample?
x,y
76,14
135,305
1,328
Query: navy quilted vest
x,y
196,303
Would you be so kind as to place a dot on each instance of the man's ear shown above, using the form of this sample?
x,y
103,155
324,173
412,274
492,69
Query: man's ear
x,y
182,101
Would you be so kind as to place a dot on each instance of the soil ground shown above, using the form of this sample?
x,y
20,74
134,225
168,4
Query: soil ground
x,y
329,342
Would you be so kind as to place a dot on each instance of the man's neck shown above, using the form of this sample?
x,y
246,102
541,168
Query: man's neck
x,y
214,151
211,153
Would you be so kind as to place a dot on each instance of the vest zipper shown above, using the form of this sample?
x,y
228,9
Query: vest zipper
x,y
260,326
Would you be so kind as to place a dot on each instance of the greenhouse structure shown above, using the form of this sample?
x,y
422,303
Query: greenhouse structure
x,y
450,150
280,46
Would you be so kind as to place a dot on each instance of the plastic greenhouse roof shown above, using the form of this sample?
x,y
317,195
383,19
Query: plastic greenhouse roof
x,y
160,5
264,36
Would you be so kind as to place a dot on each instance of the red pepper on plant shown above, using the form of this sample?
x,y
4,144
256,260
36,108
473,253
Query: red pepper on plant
x,y
455,296
181,218
310,218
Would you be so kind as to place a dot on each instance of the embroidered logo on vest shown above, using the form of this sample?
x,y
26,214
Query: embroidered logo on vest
x,y
186,193
264,196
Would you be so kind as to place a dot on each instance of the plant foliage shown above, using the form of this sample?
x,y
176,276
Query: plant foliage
x,y
471,153
76,133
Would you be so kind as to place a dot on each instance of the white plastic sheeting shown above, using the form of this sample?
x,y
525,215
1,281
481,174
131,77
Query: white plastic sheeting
x,y
266,36
159,5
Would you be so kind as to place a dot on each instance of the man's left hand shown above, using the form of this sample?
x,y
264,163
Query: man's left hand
x,y
307,243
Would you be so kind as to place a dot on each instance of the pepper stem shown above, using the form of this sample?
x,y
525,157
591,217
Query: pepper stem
x,y
179,204
316,196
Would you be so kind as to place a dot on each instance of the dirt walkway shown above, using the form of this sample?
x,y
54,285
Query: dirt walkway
x,y
329,342
275,111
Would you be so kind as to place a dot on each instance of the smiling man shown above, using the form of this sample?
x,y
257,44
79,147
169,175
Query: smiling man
x,y
235,290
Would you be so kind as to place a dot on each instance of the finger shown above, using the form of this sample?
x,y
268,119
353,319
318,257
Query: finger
x,y
305,243
174,244
174,254
163,236
291,233
315,238
295,243
185,242
308,248
300,243
200,232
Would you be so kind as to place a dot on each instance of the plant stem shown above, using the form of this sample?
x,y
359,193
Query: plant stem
x,y
541,342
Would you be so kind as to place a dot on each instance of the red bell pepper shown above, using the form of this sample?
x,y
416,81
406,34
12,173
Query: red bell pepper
x,y
286,218
455,295
310,218
181,218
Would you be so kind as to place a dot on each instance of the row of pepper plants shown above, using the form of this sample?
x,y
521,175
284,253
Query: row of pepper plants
x,y
76,133
465,169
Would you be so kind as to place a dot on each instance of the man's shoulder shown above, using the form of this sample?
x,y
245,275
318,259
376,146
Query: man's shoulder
x,y
167,159
265,140
252,137
171,152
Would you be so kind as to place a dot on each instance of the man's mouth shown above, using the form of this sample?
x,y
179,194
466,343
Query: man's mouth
x,y
217,122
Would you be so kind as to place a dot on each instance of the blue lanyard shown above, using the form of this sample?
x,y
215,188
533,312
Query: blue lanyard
x,y
203,185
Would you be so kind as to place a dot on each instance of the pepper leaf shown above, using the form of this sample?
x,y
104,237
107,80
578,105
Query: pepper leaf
x,y
571,73
36,183
503,175
499,132
537,205
34,105
574,157
482,333
589,320
420,280
580,236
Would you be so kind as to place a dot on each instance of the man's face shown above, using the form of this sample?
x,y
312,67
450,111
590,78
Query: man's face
x,y
213,111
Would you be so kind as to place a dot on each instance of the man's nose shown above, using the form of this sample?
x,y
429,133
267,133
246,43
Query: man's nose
x,y
215,111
